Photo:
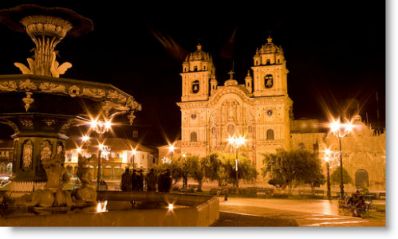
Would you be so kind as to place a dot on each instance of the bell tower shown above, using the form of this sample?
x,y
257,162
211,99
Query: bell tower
x,y
269,70
197,70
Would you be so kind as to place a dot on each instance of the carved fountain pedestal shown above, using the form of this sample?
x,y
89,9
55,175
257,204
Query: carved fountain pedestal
x,y
42,106
39,138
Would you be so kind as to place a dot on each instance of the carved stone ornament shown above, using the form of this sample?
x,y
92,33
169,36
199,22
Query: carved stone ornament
x,y
8,86
93,92
114,95
27,123
49,122
28,100
27,154
45,153
52,87
74,91
27,85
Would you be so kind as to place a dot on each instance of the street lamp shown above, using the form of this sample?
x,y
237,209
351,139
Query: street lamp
x,y
236,142
100,127
340,130
171,151
327,157
134,152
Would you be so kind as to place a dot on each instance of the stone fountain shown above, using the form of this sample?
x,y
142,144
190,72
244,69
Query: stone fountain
x,y
41,128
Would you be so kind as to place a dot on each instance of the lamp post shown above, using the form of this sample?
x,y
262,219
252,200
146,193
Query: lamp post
x,y
340,130
326,157
100,127
236,142
134,152
171,151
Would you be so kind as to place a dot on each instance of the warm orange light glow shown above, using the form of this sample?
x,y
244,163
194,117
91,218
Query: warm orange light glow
x,y
108,124
334,126
341,129
85,138
78,150
170,207
349,126
93,123
327,154
134,151
101,206
236,142
171,148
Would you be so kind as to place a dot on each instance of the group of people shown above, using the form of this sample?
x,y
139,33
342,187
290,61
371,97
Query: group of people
x,y
358,204
136,181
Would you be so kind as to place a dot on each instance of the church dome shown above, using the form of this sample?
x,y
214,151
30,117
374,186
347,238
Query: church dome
x,y
198,55
270,47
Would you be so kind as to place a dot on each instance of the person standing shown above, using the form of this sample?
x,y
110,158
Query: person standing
x,y
125,184
140,181
151,181
134,179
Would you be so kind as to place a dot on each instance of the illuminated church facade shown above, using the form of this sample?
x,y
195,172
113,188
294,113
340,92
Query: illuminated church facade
x,y
260,109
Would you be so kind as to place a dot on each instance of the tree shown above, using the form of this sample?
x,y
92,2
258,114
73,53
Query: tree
x,y
175,168
290,168
246,170
196,171
212,167
335,176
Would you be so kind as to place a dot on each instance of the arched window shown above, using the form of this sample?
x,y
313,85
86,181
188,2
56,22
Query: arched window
x,y
270,134
194,137
195,68
361,178
195,86
268,61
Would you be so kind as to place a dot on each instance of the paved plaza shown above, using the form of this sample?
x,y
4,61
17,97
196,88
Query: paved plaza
x,y
284,212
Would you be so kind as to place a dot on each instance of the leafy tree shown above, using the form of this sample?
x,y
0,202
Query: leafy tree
x,y
335,176
196,170
290,168
246,170
212,167
191,167
175,168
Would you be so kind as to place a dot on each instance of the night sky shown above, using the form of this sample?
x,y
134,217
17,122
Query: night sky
x,y
335,50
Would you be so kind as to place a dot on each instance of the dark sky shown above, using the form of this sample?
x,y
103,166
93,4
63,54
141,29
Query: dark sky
x,y
335,50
